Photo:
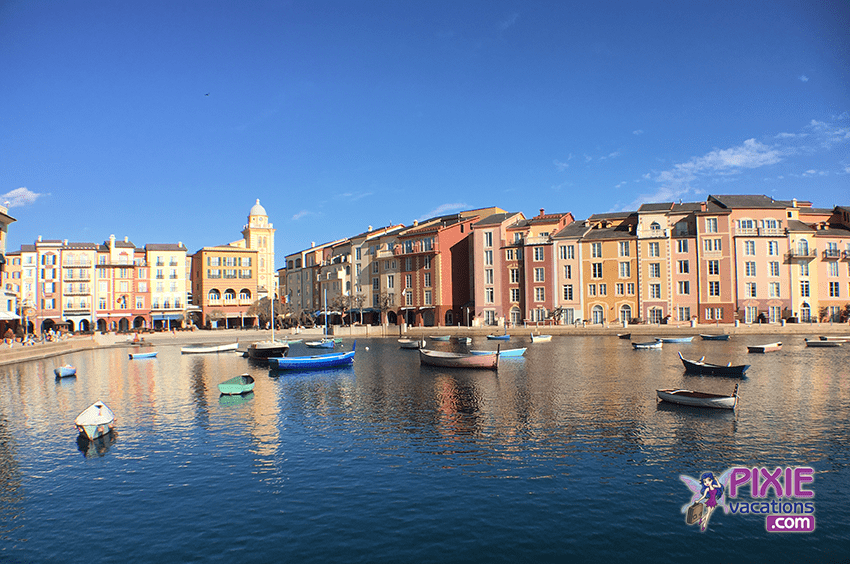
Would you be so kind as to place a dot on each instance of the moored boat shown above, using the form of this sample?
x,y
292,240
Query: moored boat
x,y
701,367
823,344
314,362
143,355
649,345
323,344
465,340
624,335
770,347
714,337
836,338
504,337
459,360
675,339
440,337
262,350
699,399
237,385
411,343
540,338
95,421
504,352
65,371
202,349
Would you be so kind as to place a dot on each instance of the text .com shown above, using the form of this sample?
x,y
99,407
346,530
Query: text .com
x,y
790,523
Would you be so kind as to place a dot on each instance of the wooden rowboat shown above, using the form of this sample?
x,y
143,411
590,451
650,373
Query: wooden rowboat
x,y
440,337
836,338
714,337
142,355
65,371
650,345
504,337
323,344
202,349
823,344
699,399
540,338
675,339
314,362
459,360
770,347
624,335
701,367
237,385
504,352
411,343
95,421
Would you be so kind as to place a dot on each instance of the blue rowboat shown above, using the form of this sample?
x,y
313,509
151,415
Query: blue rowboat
x,y
142,355
323,344
674,339
440,337
314,362
714,337
499,337
503,352
237,385
65,371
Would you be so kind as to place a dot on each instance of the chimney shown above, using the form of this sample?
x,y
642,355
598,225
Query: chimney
x,y
65,242
794,202
703,206
415,222
312,244
180,244
39,238
126,239
541,212
369,229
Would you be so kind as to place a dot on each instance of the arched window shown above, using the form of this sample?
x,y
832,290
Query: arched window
x,y
245,294
597,315
625,313
803,247
213,295
229,295
655,226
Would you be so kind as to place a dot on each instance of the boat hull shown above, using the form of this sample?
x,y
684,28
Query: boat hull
x,y
264,350
95,421
823,344
142,355
320,344
237,385
771,347
315,362
643,346
714,337
205,349
504,352
674,339
700,367
698,399
541,338
440,337
499,337
65,371
457,360
410,344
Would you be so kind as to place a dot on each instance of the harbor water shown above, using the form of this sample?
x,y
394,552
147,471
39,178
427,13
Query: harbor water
x,y
563,453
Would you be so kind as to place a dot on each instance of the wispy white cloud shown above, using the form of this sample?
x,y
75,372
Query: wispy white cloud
x,y
621,184
561,165
637,132
443,210
508,22
302,213
355,196
803,78
19,197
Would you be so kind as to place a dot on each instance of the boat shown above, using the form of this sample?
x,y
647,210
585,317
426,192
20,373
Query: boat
x,y
650,345
702,367
329,360
142,355
714,337
201,349
624,335
770,347
837,339
65,371
323,344
465,340
675,339
540,338
440,337
504,337
95,421
823,344
504,352
459,360
237,385
411,343
263,350
699,399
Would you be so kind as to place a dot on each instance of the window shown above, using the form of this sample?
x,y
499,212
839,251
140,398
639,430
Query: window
x,y
568,292
773,290
374,267
750,268
711,225
591,289
538,254
408,263
655,270
514,294
684,287
408,298
750,248
427,261
714,288
655,291
596,270
625,269
683,266
596,250
568,272
682,245
426,280
619,288
834,290
804,269
714,267
623,248
408,280
509,254
376,284
488,275
630,288
654,249
750,290
514,276
489,295
603,289
539,275
488,258
489,317
772,248
832,268
773,267
683,313
539,294
713,245
488,238
656,314
428,297
567,252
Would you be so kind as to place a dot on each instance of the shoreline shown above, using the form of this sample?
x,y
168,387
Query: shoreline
x,y
18,354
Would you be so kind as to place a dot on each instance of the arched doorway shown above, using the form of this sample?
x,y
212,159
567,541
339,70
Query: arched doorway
x,y
392,318
450,318
625,313
139,322
428,318
101,325
123,324
47,325
85,326
70,325
597,315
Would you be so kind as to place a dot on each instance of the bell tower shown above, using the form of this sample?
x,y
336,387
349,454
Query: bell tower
x,y
259,236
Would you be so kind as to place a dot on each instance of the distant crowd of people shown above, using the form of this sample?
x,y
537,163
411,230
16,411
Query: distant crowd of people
x,y
30,339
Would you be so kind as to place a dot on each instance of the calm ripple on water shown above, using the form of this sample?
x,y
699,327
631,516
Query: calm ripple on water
x,y
563,453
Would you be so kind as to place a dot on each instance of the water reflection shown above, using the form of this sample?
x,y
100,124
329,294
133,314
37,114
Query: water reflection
x,y
97,447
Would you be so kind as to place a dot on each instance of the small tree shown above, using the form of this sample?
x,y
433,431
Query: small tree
x,y
215,315
263,310
386,301
356,301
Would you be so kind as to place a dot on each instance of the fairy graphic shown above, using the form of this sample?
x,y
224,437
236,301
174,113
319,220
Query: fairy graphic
x,y
710,489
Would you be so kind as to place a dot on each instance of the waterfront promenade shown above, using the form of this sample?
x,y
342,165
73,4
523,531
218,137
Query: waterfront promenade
x,y
18,353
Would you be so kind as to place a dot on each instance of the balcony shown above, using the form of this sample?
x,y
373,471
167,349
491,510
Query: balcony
x,y
759,232
800,254
416,248
831,254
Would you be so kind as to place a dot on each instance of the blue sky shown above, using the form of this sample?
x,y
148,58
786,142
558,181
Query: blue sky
x,y
164,121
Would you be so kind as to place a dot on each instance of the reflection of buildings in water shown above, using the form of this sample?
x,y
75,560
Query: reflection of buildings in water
x,y
98,447
11,492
